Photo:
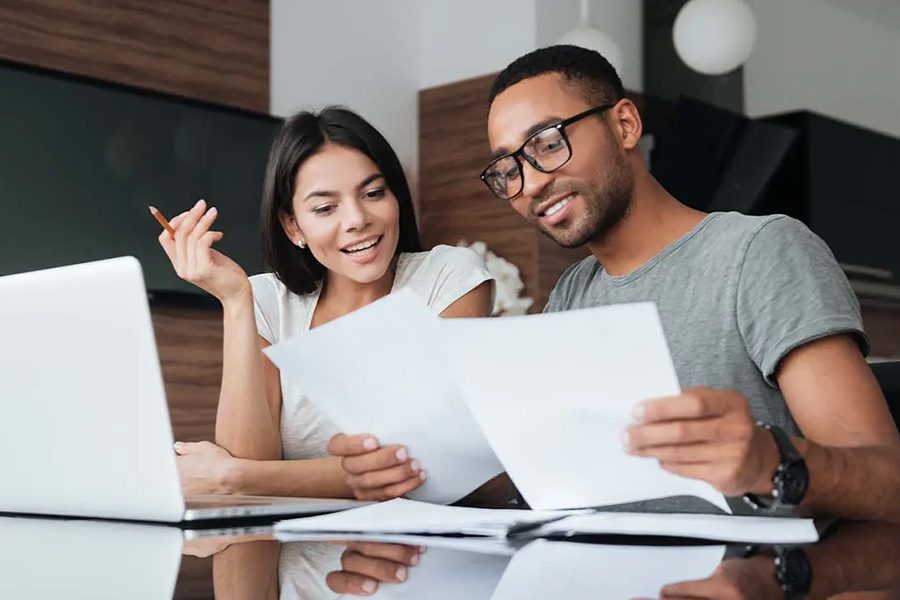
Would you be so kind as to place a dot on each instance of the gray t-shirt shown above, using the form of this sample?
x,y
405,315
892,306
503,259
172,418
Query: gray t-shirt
x,y
735,296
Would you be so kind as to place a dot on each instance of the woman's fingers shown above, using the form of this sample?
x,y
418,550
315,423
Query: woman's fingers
x,y
384,477
197,260
184,229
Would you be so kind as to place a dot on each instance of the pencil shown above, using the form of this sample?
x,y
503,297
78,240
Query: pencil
x,y
162,220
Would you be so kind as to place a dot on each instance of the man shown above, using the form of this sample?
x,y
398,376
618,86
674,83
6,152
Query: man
x,y
754,308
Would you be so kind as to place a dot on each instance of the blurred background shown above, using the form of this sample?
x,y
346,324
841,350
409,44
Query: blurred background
x,y
760,106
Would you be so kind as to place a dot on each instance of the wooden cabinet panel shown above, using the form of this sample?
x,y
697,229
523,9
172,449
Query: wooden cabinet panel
x,y
189,341
213,50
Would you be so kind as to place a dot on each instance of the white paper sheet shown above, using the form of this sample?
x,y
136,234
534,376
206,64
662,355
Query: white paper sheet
x,y
404,516
546,569
477,545
444,574
554,394
382,370
720,528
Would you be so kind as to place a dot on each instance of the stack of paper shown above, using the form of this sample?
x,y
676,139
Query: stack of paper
x,y
401,516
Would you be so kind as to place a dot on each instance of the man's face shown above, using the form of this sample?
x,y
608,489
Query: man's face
x,y
590,194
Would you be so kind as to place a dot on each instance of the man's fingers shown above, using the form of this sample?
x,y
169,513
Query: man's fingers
x,y
342,582
352,445
667,433
400,553
376,568
696,403
686,453
376,460
384,477
704,588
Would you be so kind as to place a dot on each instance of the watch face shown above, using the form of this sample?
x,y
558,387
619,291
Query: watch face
x,y
792,482
794,572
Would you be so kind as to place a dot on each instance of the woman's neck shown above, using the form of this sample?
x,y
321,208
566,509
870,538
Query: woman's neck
x,y
341,295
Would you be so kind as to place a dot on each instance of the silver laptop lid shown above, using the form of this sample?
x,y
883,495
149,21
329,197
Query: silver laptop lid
x,y
84,425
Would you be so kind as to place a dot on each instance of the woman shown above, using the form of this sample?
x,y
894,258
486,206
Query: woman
x,y
339,232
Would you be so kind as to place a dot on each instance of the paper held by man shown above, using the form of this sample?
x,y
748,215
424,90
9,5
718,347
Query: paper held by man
x,y
543,397
550,395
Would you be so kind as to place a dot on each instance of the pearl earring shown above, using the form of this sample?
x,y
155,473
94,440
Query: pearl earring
x,y
300,244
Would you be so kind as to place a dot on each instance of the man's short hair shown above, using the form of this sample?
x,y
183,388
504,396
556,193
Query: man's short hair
x,y
586,70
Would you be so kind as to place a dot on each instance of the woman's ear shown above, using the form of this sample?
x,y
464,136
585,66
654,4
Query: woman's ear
x,y
292,229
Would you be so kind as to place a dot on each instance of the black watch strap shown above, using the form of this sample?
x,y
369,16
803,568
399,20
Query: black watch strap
x,y
790,480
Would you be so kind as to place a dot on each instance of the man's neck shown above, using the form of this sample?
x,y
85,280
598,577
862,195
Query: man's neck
x,y
655,219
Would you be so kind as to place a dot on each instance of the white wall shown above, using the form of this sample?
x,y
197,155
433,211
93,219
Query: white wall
x,y
363,54
622,20
375,55
815,55
460,39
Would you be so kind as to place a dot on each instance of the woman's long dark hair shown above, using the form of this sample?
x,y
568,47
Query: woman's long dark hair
x,y
302,136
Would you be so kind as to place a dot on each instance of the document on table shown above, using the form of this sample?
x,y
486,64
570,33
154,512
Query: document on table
x,y
407,517
402,516
554,394
546,569
382,370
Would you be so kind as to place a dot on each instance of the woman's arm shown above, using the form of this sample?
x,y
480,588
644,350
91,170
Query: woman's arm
x,y
248,419
247,423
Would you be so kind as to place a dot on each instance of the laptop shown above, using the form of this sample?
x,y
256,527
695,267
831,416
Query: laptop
x,y
84,423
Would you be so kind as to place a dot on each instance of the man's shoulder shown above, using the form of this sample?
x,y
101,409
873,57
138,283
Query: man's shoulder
x,y
738,227
583,270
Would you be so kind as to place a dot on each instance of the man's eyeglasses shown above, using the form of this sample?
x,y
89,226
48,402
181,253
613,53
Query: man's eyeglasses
x,y
547,150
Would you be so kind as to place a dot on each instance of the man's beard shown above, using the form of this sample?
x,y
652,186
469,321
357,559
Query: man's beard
x,y
606,204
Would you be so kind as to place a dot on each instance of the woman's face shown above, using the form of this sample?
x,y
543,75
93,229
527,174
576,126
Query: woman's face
x,y
345,213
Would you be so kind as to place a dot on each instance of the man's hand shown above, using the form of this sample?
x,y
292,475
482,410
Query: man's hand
x,y
364,565
373,472
738,578
706,434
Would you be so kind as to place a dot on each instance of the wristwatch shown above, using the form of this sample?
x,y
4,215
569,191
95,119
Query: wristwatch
x,y
793,572
791,479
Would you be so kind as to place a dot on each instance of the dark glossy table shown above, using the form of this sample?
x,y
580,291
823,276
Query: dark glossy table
x,y
52,558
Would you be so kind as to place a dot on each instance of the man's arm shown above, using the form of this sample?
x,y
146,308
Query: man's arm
x,y
852,447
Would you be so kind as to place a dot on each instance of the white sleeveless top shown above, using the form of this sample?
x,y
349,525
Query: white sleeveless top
x,y
440,277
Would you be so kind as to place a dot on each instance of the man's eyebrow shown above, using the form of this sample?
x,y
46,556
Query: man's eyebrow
x,y
542,124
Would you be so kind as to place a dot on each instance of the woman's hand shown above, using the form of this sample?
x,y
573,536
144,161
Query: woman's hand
x,y
205,468
375,473
191,253
365,565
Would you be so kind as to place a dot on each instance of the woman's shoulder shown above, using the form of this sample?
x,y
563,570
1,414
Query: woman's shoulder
x,y
441,257
269,290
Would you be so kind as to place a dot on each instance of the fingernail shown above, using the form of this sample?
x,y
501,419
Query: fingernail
x,y
414,560
369,586
639,412
401,573
423,475
370,444
414,465
402,454
625,439
199,202
423,549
